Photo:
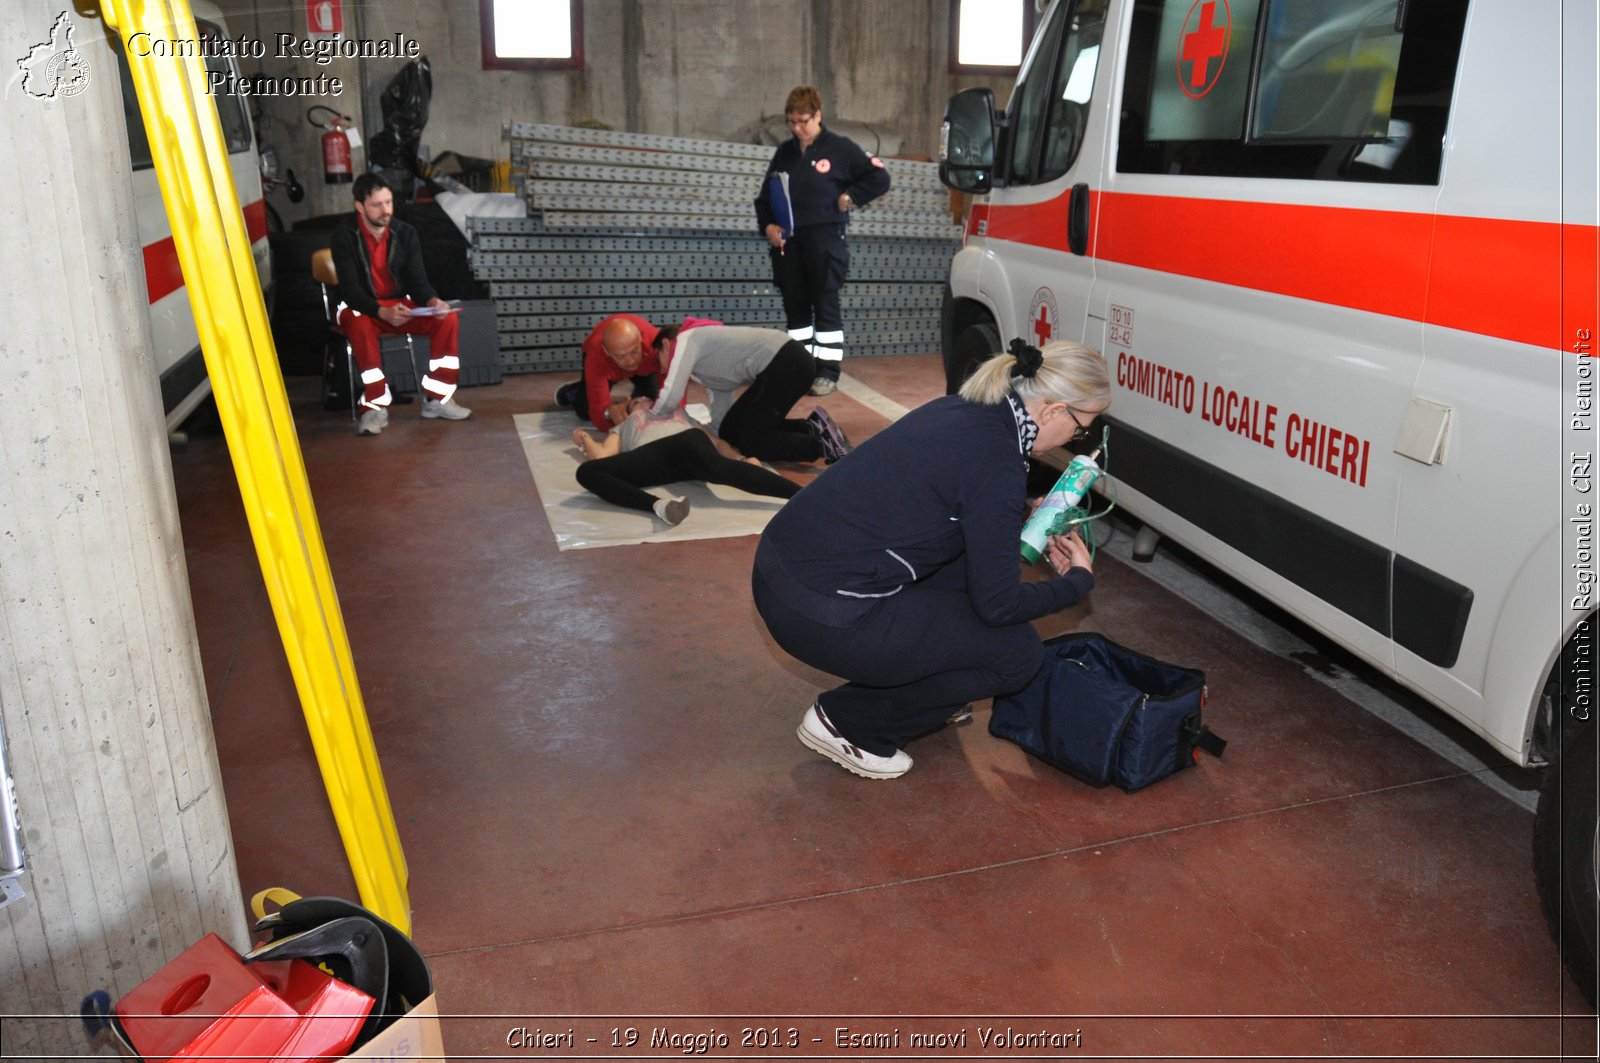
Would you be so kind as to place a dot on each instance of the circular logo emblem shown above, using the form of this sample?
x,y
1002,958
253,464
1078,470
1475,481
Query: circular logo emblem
x,y
1203,46
67,74
1042,317
823,165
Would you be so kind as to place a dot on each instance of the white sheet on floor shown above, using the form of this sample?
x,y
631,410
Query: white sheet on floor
x,y
581,521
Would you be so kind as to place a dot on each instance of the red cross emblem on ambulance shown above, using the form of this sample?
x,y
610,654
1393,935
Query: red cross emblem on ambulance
x,y
1203,46
1042,317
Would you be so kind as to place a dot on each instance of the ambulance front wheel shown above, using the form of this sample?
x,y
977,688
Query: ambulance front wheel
x,y
1566,850
974,345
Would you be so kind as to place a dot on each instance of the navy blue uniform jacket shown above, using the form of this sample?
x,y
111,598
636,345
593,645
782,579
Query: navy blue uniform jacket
x,y
832,164
946,480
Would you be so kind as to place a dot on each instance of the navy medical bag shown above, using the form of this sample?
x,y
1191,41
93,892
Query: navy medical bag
x,y
1107,714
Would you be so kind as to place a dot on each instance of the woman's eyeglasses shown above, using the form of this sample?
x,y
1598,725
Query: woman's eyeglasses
x,y
1082,430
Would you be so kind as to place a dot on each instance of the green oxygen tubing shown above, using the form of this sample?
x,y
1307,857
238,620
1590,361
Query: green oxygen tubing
x,y
1061,509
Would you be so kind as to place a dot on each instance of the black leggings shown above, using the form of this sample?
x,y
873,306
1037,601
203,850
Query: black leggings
x,y
688,455
758,422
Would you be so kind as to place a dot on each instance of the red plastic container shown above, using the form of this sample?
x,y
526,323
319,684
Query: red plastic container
x,y
208,1003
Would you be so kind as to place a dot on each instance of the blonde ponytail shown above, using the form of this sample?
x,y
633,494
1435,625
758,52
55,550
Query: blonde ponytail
x,y
1070,372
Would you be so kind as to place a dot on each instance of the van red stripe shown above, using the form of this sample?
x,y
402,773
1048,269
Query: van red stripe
x,y
162,273
1508,279
1499,278
1365,259
255,219
1580,288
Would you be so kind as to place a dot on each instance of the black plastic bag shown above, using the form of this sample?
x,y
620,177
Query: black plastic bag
x,y
405,112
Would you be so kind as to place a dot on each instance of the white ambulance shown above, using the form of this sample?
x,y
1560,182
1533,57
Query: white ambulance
x,y
1340,256
184,384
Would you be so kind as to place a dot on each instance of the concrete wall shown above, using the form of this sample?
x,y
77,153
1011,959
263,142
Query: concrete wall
x,y
693,68
101,694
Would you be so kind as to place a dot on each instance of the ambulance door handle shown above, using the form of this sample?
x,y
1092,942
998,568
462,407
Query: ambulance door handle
x,y
1078,220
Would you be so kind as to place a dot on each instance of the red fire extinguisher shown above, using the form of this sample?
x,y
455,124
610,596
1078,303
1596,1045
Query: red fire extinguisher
x,y
336,168
335,156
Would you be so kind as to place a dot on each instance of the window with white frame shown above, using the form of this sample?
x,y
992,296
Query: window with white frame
x,y
532,34
989,35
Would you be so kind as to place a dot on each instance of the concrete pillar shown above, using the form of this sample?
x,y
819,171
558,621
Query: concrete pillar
x,y
129,853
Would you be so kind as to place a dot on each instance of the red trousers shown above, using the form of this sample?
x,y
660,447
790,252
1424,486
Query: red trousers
x,y
444,362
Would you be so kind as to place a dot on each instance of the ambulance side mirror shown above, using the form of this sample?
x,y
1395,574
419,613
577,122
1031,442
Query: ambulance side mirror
x,y
966,142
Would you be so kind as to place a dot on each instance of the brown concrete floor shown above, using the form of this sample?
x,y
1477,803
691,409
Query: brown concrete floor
x,y
609,822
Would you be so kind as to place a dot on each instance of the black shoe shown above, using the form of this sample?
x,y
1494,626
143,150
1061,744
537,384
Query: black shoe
x,y
565,394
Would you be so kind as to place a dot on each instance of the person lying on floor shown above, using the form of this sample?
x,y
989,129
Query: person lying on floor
x,y
645,451
778,370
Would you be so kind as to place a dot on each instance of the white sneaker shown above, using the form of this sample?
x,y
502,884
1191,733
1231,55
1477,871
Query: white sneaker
x,y
824,385
817,732
449,409
374,419
672,510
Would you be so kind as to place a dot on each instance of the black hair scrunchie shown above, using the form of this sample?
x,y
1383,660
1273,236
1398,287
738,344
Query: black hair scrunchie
x,y
1029,359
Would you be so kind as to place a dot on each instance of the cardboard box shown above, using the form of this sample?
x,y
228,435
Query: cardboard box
x,y
416,1035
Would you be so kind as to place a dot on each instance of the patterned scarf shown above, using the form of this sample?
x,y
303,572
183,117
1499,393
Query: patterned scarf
x,y
1027,427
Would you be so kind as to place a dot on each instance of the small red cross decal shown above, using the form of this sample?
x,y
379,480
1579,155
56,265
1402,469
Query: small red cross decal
x,y
1207,41
1041,327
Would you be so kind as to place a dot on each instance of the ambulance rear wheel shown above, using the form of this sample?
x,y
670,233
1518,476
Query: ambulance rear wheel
x,y
974,345
1566,842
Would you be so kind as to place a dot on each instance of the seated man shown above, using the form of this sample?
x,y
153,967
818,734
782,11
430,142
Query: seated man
x,y
383,286
778,370
621,347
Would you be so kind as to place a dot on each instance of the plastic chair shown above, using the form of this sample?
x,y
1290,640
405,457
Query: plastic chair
x,y
322,269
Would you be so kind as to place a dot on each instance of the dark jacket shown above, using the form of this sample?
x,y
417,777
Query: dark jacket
x,y
946,481
832,164
350,261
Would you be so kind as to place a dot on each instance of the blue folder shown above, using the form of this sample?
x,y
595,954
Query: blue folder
x,y
778,199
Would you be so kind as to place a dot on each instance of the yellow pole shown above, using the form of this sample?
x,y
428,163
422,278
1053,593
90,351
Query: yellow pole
x,y
191,162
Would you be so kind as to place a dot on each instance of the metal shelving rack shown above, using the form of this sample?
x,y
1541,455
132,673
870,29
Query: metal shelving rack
x,y
665,227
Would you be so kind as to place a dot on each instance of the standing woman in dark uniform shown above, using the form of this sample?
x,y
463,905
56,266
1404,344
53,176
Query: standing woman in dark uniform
x,y
828,175
898,567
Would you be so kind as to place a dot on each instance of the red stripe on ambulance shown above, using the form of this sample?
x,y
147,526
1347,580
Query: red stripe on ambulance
x,y
255,219
1517,280
162,273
